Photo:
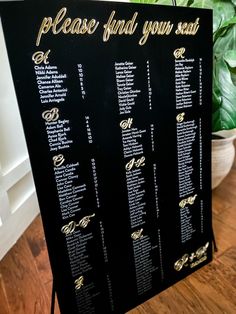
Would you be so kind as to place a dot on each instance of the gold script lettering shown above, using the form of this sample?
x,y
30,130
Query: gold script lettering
x,y
69,228
44,28
83,223
72,225
58,25
189,200
201,260
180,117
184,28
51,115
155,28
114,27
126,124
79,282
187,259
139,163
58,160
178,53
137,234
39,57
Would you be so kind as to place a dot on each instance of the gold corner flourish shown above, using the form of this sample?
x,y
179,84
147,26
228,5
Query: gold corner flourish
x,y
193,259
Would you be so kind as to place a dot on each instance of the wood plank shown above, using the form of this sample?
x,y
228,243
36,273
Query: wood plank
x,y
225,236
37,244
48,287
224,196
25,292
228,217
215,287
4,305
228,259
178,299
211,289
219,204
227,189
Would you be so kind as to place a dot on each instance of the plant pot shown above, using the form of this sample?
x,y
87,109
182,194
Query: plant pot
x,y
223,154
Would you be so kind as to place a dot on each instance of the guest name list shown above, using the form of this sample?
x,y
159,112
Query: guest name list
x,y
120,119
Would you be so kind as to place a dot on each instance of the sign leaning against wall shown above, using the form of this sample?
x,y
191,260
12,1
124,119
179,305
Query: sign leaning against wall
x,y
115,102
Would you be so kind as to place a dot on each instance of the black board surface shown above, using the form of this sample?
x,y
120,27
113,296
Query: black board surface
x,y
115,100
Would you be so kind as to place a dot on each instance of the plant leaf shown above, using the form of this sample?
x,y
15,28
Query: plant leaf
x,y
223,11
224,98
234,2
224,28
226,42
233,75
204,4
230,58
179,3
216,91
229,22
144,1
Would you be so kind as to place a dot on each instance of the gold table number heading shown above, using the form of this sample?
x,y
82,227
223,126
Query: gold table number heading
x,y
58,160
180,117
126,124
179,53
71,226
83,223
137,234
135,163
41,57
51,115
189,200
79,283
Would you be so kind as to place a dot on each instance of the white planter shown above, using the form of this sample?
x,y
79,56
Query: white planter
x,y
223,154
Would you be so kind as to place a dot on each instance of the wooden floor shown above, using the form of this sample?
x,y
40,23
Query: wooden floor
x,y
25,277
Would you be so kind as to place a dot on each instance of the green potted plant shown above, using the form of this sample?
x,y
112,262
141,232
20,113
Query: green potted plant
x,y
224,89
224,81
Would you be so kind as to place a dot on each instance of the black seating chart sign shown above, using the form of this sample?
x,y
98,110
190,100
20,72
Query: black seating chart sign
x,y
115,100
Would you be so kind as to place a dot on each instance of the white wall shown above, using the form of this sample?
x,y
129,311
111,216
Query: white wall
x,y
18,202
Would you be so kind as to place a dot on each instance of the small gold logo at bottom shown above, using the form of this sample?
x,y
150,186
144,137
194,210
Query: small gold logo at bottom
x,y
181,262
200,255
194,264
